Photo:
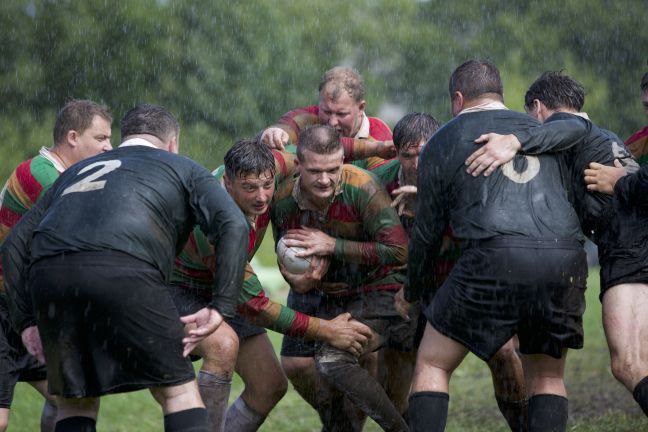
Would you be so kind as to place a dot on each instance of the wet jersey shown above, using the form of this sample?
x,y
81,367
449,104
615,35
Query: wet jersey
x,y
631,190
294,121
370,239
523,198
195,265
26,185
138,200
596,145
638,145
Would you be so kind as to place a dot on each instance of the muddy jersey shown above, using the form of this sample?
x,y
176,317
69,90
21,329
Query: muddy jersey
x,y
195,265
595,145
524,198
631,190
138,200
370,239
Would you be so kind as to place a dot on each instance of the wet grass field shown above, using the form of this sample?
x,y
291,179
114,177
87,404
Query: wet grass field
x,y
596,401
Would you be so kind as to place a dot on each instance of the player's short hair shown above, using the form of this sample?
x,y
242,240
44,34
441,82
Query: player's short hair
x,y
148,119
413,128
475,78
556,90
248,156
343,79
320,139
77,115
644,83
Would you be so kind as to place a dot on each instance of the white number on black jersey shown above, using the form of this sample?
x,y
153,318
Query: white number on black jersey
x,y
88,184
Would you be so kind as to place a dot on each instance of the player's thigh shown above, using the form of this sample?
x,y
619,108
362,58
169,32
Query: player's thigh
x,y
258,364
438,356
4,419
625,319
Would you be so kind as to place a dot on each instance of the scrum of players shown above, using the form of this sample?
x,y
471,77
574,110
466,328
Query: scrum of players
x,y
121,266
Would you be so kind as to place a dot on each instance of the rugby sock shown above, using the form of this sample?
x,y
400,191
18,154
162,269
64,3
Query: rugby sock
x,y
76,424
345,374
640,394
48,417
428,411
547,413
190,420
214,391
242,418
516,413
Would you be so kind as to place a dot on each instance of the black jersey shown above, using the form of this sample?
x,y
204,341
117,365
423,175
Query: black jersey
x,y
138,200
632,190
523,198
596,145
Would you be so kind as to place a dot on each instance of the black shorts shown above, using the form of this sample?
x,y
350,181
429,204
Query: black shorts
x,y
108,325
16,364
189,301
504,286
308,303
623,254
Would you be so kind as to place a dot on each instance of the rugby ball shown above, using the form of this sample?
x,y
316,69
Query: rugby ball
x,y
286,256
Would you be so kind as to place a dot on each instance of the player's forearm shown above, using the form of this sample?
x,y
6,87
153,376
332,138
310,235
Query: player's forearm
x,y
389,249
553,136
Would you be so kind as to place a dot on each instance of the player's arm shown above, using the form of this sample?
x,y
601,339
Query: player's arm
x,y
632,188
222,221
256,307
289,126
552,136
429,225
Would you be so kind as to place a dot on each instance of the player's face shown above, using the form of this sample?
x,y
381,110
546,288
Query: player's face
x,y
319,174
409,159
94,140
252,192
644,101
344,114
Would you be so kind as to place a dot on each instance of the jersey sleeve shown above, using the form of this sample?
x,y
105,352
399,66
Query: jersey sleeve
x,y
631,189
554,135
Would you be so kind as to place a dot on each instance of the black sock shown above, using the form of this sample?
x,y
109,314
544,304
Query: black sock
x,y
640,394
76,424
516,413
428,411
547,413
191,420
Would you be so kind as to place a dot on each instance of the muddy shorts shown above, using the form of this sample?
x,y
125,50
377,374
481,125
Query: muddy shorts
x,y
107,323
505,286
309,304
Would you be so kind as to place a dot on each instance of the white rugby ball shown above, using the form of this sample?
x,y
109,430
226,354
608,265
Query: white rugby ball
x,y
286,256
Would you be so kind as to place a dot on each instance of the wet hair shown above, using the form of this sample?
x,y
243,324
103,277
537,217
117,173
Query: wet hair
x,y
413,128
248,156
644,83
343,78
148,119
475,78
77,115
556,90
320,139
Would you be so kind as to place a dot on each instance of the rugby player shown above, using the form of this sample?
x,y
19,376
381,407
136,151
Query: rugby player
x,y
638,141
341,213
249,176
104,241
81,130
400,179
615,227
522,269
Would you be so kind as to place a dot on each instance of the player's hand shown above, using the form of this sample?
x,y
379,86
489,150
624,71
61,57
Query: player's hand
x,y
386,149
206,321
603,178
32,341
402,306
404,200
275,137
313,241
302,283
345,333
496,151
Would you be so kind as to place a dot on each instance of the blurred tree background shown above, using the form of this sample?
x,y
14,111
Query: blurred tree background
x,y
227,69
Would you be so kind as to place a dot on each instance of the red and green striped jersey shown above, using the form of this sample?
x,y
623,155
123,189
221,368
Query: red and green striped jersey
x,y
26,185
294,121
638,145
389,175
370,240
195,265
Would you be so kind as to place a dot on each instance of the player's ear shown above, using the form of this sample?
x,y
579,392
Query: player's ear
x,y
174,146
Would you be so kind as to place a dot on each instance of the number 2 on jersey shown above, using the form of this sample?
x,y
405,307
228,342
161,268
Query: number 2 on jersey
x,y
90,183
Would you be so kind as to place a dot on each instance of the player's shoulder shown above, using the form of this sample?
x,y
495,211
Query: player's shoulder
x,y
37,170
378,129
